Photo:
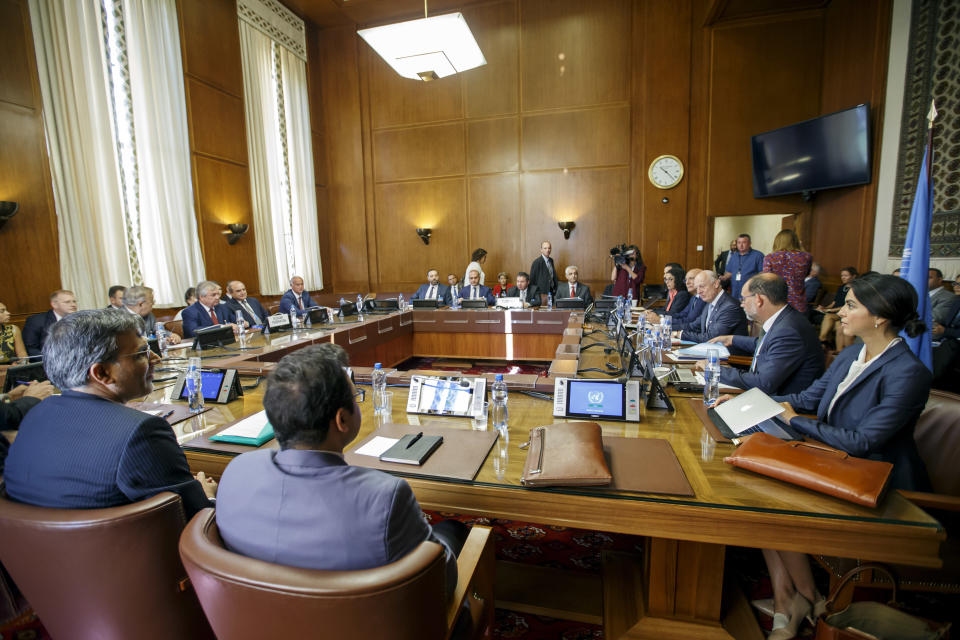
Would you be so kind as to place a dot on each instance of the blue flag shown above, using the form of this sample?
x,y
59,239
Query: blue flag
x,y
915,265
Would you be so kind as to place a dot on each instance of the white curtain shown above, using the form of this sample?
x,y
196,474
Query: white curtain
x,y
170,256
68,39
281,163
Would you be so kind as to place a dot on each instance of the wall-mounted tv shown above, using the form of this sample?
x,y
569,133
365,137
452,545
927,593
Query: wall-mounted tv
x,y
822,153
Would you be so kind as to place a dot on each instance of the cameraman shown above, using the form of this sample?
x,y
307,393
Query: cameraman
x,y
628,271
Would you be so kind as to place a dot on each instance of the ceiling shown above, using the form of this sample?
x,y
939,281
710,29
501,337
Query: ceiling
x,y
333,13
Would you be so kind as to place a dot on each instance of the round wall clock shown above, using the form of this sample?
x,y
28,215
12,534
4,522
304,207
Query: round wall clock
x,y
665,172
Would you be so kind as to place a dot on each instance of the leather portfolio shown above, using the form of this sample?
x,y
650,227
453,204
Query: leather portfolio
x,y
815,466
566,454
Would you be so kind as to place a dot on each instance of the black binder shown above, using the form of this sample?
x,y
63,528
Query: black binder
x,y
413,448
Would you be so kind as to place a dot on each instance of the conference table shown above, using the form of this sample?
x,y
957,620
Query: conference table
x,y
677,590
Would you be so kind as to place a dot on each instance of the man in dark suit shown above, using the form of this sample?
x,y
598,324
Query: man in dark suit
x,y
812,285
250,308
62,303
138,300
454,285
474,289
85,449
304,506
574,288
946,349
296,298
941,300
543,275
433,290
693,309
787,357
206,311
721,314
115,293
14,407
528,293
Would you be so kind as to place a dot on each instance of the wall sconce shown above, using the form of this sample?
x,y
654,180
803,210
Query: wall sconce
x,y
7,211
425,235
234,232
566,227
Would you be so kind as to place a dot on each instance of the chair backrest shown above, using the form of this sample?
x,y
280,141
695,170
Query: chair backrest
x,y
937,435
820,296
103,573
248,598
174,326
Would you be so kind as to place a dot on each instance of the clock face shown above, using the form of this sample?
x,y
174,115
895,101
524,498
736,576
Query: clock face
x,y
665,172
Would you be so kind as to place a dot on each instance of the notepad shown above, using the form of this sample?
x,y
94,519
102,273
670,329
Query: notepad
x,y
253,430
412,449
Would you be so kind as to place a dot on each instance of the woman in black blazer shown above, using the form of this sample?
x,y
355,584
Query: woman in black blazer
x,y
677,295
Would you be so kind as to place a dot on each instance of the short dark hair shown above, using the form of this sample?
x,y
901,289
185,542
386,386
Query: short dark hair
x,y
673,265
523,274
477,254
112,291
851,270
679,277
770,285
938,272
744,235
305,392
890,298
81,340
190,293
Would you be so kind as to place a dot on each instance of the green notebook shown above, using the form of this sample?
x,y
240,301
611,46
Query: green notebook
x,y
265,434
413,448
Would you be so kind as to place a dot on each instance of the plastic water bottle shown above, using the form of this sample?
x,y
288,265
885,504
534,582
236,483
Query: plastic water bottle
x,y
360,307
629,304
242,324
666,325
498,394
194,386
549,301
455,300
711,378
400,302
379,382
294,321
655,344
307,323
161,339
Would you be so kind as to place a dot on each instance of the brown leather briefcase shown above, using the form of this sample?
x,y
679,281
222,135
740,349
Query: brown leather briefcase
x,y
566,454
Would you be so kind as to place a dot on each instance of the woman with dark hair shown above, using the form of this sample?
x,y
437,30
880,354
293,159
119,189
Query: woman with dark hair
x,y
477,258
11,340
503,284
866,404
677,296
629,275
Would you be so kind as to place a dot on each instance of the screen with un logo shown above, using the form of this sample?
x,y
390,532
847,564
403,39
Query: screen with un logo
x,y
595,398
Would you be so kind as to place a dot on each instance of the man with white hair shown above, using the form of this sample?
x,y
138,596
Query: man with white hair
x,y
138,300
574,288
206,311
296,298
721,314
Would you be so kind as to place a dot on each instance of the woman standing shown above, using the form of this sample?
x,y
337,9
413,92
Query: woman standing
x,y
476,259
11,341
629,275
792,264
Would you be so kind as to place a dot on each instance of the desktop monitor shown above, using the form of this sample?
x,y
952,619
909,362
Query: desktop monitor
x,y
215,336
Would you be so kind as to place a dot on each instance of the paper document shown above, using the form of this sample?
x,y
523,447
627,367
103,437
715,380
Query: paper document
x,y
249,427
376,446
183,344
701,350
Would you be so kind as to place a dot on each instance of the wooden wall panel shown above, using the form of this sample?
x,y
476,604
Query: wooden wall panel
x,y
594,137
495,198
395,100
493,145
492,89
28,242
419,152
401,209
574,53
210,41
216,119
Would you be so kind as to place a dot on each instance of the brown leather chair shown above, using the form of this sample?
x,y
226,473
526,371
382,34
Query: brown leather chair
x,y
103,573
174,326
248,598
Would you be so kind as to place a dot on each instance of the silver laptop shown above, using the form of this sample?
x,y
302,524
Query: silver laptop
x,y
748,410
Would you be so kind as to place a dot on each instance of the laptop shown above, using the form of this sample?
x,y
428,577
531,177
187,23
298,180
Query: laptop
x,y
420,303
751,412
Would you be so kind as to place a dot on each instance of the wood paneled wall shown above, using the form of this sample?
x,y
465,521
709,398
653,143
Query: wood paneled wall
x,y
29,246
575,101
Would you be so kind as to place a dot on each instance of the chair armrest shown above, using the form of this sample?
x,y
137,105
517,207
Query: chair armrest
x,y
475,574
743,361
926,500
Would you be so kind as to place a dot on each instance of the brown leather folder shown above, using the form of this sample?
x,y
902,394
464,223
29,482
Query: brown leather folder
x,y
645,465
566,454
815,466
700,410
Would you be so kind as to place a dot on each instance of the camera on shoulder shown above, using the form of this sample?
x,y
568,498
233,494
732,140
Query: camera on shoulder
x,y
620,254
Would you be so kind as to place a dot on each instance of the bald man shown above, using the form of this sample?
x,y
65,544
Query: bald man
x,y
250,308
721,314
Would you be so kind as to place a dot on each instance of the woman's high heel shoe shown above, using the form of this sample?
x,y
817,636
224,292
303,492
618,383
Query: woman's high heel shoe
x,y
799,609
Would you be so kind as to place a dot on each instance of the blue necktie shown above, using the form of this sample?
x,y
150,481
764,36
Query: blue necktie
x,y
753,365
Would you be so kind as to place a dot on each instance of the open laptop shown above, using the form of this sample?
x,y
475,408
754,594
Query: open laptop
x,y
751,412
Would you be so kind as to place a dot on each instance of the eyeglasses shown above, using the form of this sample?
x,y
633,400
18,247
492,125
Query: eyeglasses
x,y
141,354
360,393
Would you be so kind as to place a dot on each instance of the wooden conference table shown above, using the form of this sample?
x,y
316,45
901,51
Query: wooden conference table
x,y
676,593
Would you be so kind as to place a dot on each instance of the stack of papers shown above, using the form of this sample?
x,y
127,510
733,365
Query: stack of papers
x,y
702,350
253,430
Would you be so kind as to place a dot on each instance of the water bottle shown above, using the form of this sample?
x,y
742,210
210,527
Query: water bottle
x,y
711,378
629,304
360,307
400,302
342,302
499,396
194,386
379,382
242,324
666,325
307,323
655,346
161,339
549,301
620,305
455,300
294,321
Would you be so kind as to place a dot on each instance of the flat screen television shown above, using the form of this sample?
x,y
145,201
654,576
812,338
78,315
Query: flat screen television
x,y
822,153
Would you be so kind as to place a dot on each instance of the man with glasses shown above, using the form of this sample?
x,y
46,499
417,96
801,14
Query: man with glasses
x,y
85,449
787,357
303,505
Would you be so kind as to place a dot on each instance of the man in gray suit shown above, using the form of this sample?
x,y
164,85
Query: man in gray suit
x,y
940,299
304,506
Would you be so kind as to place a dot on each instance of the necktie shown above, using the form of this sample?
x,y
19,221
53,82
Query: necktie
x,y
523,296
248,309
573,291
549,266
706,318
300,301
753,365
432,295
474,294
213,317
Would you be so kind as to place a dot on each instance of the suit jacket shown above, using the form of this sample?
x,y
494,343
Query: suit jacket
x,y
11,415
533,294
693,310
876,415
727,319
196,317
582,291
541,277
80,451
940,304
789,360
811,287
312,510
680,302
484,292
35,331
234,305
951,328
289,301
443,293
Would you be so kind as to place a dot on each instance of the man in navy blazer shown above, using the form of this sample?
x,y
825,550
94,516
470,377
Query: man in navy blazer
x,y
253,312
946,349
543,273
35,329
721,313
303,505
433,290
473,289
296,298
528,293
787,356
85,449
201,313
